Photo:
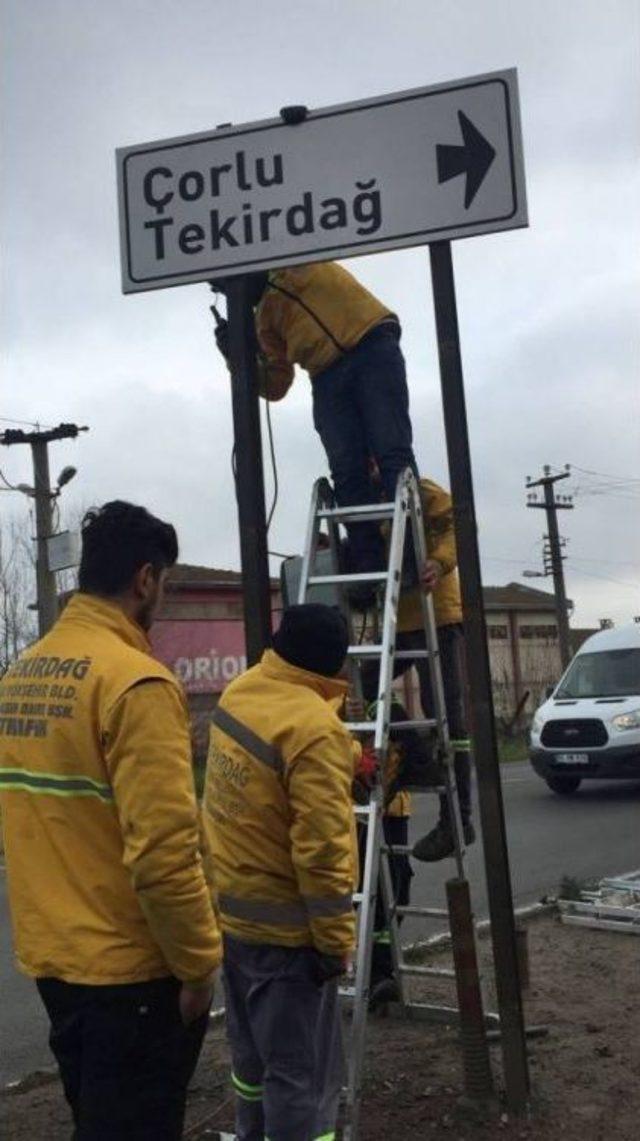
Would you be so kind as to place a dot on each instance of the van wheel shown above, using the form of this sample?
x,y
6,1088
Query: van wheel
x,y
564,785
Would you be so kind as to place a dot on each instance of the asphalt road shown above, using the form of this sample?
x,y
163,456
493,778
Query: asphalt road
x,y
595,833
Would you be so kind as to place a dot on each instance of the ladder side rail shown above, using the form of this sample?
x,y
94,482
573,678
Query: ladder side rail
x,y
311,542
364,949
428,618
390,912
390,619
335,548
437,687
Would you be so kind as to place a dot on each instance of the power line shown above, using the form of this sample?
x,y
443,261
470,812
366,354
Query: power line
x,y
605,562
25,423
628,496
8,486
607,578
606,475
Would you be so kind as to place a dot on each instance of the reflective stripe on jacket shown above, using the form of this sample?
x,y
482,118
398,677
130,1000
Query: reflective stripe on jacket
x,y
277,809
99,813
437,509
310,315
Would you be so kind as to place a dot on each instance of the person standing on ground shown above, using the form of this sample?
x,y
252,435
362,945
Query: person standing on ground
x,y
111,911
439,578
280,827
320,317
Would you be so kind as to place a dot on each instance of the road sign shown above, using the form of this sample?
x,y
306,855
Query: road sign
x,y
418,166
63,550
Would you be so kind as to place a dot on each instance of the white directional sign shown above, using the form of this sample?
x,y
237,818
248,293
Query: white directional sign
x,y
402,170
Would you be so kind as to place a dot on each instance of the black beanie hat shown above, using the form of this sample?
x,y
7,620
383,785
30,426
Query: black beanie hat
x,y
313,637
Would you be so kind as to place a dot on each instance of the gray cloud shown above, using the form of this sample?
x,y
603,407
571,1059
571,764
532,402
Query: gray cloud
x,y
547,314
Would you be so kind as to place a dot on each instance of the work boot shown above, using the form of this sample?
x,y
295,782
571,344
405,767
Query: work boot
x,y
382,992
438,844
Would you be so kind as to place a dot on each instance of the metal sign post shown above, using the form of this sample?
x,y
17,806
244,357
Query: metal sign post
x,y
249,476
503,934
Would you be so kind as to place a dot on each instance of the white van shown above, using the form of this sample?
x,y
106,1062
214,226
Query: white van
x,y
590,725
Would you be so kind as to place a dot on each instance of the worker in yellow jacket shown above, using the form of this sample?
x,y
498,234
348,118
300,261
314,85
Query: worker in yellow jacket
x,y
439,578
279,822
111,912
320,317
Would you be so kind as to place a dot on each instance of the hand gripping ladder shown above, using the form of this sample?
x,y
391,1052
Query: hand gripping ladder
x,y
405,511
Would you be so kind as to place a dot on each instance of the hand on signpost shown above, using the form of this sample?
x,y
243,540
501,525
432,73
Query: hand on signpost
x,y
222,338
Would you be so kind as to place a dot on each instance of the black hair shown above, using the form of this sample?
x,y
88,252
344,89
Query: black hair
x,y
119,538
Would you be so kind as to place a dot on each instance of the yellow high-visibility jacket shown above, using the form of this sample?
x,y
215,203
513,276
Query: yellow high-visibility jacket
x,y
100,818
277,810
310,315
437,514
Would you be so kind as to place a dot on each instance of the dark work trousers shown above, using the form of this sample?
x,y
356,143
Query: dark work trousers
x,y
396,831
361,409
451,645
125,1057
283,1027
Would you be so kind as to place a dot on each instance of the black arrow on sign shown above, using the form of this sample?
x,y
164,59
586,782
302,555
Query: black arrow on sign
x,y
473,159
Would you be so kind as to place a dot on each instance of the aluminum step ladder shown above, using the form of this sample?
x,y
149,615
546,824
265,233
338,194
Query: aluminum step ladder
x,y
404,512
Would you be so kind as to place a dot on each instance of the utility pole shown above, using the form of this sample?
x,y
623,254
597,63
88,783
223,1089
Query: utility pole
x,y
44,497
552,504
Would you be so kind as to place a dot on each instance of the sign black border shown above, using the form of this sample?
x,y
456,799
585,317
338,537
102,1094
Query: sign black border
x,y
197,276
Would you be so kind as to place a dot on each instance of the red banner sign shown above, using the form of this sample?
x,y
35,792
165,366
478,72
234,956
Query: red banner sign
x,y
204,655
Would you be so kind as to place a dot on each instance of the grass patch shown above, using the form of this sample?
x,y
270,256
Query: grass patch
x,y
512,749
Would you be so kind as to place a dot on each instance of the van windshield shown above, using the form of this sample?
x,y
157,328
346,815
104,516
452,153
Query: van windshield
x,y
611,673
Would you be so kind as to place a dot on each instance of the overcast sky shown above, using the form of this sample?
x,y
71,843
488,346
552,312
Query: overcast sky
x,y
549,314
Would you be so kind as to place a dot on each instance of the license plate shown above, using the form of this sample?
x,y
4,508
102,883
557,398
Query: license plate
x,y
571,758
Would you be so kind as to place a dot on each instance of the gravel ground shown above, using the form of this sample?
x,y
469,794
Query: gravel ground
x,y
585,1073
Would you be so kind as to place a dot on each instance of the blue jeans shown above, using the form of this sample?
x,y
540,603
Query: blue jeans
x,y
361,409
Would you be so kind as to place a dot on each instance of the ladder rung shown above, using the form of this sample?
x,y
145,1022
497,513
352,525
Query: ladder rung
x,y
415,723
363,809
427,972
330,579
418,790
364,510
347,991
360,726
425,912
368,650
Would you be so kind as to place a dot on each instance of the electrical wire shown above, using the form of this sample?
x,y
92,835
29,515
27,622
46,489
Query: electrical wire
x,y
606,475
8,486
25,423
606,578
274,466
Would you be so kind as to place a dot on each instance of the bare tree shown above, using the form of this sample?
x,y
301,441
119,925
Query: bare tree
x,y
18,623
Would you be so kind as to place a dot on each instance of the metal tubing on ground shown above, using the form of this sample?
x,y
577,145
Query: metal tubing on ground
x,y
514,1050
249,476
473,1038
